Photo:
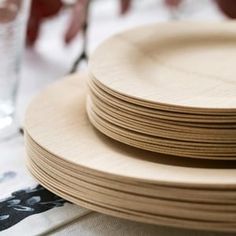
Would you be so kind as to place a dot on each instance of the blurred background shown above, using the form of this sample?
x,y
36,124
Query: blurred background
x,y
49,57
59,34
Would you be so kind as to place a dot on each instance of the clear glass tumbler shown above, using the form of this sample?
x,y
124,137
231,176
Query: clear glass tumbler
x,y
13,21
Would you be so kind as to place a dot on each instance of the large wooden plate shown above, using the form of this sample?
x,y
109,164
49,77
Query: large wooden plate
x,y
58,187
133,202
222,197
57,121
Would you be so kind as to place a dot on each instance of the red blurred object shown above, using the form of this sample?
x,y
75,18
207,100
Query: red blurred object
x,y
77,20
228,7
40,9
125,6
172,3
9,10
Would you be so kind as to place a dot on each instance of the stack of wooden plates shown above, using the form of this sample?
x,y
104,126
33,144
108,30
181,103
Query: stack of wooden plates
x,y
70,157
168,88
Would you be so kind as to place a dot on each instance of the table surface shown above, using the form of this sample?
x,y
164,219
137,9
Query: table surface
x,y
26,208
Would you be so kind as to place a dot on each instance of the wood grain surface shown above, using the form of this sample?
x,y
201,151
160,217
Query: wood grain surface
x,y
185,67
67,122
70,158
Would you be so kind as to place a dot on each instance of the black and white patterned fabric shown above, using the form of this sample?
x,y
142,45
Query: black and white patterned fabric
x,y
27,202
26,208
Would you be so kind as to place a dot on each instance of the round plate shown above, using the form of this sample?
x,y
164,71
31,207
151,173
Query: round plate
x,y
58,122
221,198
188,67
132,202
172,146
145,125
60,186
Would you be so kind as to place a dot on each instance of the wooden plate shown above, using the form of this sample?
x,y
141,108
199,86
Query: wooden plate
x,y
153,121
186,67
134,202
149,144
55,186
223,198
207,135
160,138
57,121
157,113
130,124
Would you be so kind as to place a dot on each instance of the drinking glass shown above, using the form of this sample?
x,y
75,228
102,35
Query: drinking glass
x,y
13,21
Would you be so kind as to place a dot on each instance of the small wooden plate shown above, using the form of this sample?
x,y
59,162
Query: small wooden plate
x,y
108,97
208,135
158,145
185,67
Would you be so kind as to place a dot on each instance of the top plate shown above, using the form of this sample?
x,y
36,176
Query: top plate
x,y
185,66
